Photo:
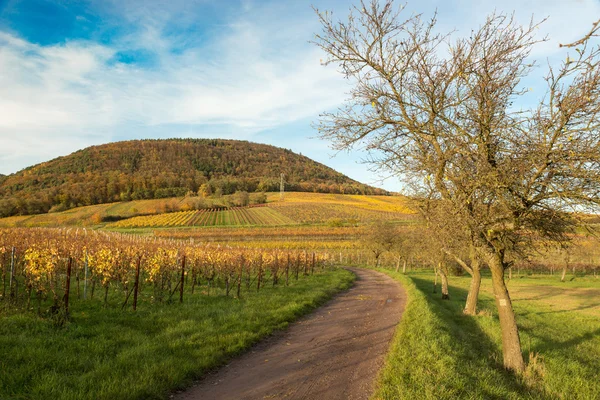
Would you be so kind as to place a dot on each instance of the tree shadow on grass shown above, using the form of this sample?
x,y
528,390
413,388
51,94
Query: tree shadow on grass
x,y
478,358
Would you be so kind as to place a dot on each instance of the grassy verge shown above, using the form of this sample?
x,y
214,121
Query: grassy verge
x,y
114,354
438,353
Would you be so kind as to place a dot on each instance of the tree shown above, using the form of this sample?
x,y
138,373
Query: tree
x,y
441,113
454,241
380,237
241,198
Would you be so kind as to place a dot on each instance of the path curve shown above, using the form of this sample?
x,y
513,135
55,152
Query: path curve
x,y
333,353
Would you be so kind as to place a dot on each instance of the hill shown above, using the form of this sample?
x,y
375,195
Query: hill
x,y
152,169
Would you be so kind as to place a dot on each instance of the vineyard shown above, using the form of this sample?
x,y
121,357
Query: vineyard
x,y
300,209
274,233
53,265
296,208
236,216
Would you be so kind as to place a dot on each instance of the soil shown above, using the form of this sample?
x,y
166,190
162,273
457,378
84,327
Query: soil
x,y
333,353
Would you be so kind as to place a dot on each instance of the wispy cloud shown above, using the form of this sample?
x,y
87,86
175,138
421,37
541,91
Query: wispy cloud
x,y
55,94
201,68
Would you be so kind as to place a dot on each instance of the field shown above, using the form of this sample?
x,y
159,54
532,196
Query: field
x,y
225,256
103,315
109,353
439,353
296,208
236,216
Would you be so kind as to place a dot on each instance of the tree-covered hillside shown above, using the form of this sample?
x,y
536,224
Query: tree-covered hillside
x,y
146,169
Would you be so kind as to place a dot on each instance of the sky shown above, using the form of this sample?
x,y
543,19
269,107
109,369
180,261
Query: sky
x,y
81,73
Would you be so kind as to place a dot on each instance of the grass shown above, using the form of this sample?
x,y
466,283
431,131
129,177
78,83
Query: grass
x,y
114,354
439,353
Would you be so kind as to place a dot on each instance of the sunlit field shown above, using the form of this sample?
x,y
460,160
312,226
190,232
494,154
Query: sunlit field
x,y
439,353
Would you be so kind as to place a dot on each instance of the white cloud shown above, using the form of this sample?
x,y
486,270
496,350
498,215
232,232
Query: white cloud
x,y
57,93
256,73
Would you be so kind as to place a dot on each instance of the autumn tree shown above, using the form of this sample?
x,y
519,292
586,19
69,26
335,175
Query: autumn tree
x,y
446,115
380,237
454,240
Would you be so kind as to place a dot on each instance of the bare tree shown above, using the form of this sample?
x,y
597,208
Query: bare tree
x,y
592,33
442,114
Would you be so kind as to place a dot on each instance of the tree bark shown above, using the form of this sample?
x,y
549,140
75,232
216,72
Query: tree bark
x,y
471,305
444,276
511,343
475,271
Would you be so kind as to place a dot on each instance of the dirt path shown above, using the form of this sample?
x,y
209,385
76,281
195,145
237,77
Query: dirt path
x,y
334,353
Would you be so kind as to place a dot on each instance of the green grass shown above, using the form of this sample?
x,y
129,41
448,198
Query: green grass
x,y
439,353
114,354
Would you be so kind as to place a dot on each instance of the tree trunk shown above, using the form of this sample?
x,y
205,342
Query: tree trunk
x,y
471,305
564,272
511,343
445,294
398,265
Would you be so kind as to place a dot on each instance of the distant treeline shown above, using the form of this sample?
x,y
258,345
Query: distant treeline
x,y
151,169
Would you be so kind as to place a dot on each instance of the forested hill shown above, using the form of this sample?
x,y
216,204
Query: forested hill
x,y
146,169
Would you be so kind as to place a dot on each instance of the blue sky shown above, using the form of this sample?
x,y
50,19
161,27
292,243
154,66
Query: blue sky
x,y
78,73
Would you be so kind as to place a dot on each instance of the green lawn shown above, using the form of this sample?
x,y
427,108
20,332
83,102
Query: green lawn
x,y
114,354
438,353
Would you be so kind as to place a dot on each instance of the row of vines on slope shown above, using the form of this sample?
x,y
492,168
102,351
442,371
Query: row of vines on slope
x,y
235,216
45,265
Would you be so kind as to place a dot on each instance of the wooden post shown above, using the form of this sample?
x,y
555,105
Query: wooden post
x,y
305,263
287,270
259,278
275,270
240,277
68,286
12,271
312,266
182,280
3,280
136,285
85,277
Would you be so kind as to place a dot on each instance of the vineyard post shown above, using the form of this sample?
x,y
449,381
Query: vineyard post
x,y
12,271
3,279
305,263
240,277
182,279
68,286
297,265
287,270
259,277
136,285
312,266
275,270
85,276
